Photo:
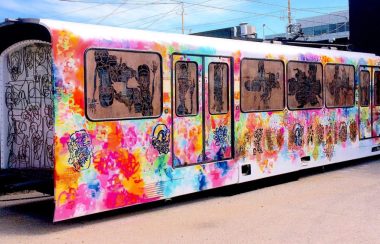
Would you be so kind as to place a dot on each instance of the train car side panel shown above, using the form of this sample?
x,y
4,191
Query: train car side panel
x,y
103,164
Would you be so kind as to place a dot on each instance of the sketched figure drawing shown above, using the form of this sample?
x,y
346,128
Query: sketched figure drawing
x,y
263,83
28,99
186,87
109,71
306,88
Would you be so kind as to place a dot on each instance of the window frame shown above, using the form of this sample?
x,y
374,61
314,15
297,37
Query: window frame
x,y
374,91
322,86
369,89
283,81
175,89
121,50
228,88
354,90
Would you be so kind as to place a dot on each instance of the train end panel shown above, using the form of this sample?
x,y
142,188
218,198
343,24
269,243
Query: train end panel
x,y
26,107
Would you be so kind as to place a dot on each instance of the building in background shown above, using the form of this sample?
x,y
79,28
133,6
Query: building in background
x,y
324,31
242,31
332,27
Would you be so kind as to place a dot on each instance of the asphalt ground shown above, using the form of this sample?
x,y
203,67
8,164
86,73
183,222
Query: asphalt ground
x,y
338,204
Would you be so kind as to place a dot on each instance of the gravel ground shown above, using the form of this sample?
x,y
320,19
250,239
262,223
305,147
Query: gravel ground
x,y
339,206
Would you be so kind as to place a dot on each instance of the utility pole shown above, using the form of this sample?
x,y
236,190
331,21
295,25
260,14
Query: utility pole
x,y
289,14
183,13
294,30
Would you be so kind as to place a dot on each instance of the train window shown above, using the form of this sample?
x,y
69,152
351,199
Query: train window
x,y
364,88
218,88
186,88
304,85
262,85
339,85
377,88
122,84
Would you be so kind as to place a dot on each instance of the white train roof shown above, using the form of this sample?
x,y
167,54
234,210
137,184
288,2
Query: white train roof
x,y
221,46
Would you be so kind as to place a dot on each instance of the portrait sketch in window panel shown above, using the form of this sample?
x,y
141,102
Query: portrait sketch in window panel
x,y
364,91
218,88
377,88
262,85
186,93
122,84
304,85
339,85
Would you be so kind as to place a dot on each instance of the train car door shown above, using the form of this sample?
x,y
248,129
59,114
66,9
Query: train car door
x,y
187,97
365,115
376,102
217,108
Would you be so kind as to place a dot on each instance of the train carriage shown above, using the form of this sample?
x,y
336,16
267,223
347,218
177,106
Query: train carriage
x,y
122,117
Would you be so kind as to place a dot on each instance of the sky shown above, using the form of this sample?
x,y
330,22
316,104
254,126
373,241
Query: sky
x,y
269,16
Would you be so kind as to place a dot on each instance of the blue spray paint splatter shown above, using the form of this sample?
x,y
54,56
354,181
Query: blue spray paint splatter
x,y
223,166
94,186
176,162
202,181
169,173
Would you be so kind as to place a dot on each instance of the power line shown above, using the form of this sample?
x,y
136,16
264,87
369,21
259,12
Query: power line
x,y
142,18
163,16
228,9
202,4
112,3
270,29
297,9
112,12
138,20
159,17
119,12
331,7
179,2
218,22
197,10
191,4
228,20
261,14
76,11
242,11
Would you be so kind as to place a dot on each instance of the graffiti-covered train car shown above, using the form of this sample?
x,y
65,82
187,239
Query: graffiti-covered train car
x,y
122,117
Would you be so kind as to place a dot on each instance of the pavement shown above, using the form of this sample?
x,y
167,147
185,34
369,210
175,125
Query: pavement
x,y
338,206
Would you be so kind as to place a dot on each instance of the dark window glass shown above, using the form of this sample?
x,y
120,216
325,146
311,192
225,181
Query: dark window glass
x,y
364,88
341,27
322,29
332,28
377,88
304,85
186,88
309,31
123,84
262,85
218,88
317,30
339,85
